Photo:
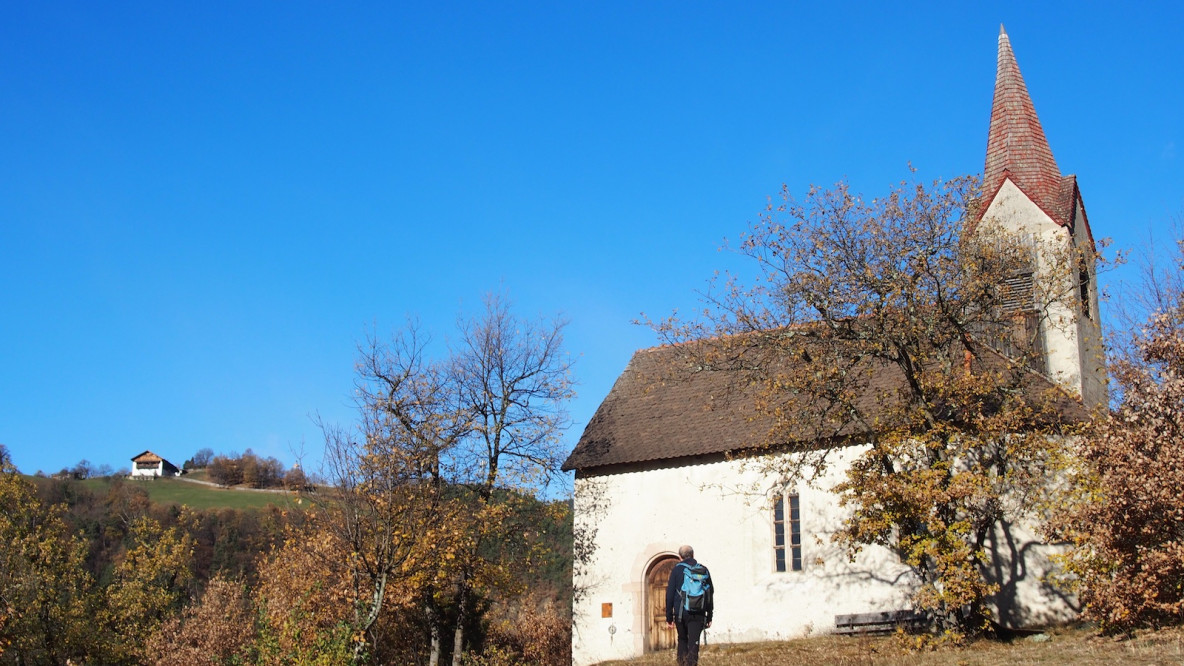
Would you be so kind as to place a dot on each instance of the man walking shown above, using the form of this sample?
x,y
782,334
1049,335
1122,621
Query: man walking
x,y
689,604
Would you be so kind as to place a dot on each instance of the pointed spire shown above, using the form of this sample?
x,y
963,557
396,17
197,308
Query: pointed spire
x,y
1016,145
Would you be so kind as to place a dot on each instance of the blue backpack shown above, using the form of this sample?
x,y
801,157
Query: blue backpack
x,y
695,595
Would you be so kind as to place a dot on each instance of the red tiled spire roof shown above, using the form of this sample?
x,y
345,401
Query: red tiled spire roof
x,y
1017,147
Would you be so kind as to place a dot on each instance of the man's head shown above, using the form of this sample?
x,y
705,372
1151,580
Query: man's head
x,y
686,552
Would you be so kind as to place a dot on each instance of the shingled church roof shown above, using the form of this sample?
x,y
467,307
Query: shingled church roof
x,y
664,407
660,408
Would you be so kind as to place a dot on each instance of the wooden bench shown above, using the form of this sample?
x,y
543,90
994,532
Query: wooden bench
x,y
879,623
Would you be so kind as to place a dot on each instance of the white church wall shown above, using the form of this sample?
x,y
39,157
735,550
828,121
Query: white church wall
x,y
1020,564
1089,330
723,510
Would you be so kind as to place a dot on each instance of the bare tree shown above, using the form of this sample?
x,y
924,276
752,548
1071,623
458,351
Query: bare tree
x,y
389,473
83,469
443,451
1157,287
203,457
514,380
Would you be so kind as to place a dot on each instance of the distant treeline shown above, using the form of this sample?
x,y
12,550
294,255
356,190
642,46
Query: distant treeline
x,y
253,471
230,469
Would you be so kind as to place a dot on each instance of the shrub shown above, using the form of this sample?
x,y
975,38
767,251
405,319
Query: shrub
x,y
1125,520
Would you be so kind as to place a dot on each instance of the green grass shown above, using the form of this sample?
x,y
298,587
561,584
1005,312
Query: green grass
x,y
198,496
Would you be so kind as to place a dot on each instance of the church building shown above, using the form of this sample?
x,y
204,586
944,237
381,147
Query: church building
x,y
653,470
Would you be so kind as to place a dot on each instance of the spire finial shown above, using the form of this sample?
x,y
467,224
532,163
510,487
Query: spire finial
x,y
1002,31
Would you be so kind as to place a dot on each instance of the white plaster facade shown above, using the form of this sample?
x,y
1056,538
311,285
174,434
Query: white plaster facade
x,y
149,465
1072,334
723,510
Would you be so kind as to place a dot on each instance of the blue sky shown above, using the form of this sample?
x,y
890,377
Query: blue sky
x,y
205,206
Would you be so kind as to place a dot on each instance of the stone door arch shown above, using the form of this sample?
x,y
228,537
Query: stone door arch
x,y
657,635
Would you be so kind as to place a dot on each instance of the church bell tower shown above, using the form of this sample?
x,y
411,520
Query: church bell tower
x,y
1025,194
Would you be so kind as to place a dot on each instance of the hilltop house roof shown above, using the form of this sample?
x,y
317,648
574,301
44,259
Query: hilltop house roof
x,y
150,457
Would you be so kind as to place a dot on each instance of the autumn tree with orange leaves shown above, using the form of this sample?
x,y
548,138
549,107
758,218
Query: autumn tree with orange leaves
x,y
1124,513
388,516
305,596
45,609
150,584
218,628
881,324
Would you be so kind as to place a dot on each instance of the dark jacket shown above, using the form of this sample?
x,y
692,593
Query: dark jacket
x,y
674,590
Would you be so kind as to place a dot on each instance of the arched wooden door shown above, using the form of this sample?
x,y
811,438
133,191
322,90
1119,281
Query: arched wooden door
x,y
658,635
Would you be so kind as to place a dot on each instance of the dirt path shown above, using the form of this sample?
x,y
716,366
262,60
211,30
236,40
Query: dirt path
x,y
215,485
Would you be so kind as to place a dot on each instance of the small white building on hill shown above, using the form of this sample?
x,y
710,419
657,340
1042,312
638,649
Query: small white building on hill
x,y
148,464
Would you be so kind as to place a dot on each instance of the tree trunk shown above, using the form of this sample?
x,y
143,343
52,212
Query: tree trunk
x,y
364,623
458,641
462,617
434,630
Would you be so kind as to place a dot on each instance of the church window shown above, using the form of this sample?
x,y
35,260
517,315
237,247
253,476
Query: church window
x,y
787,532
1083,286
1018,293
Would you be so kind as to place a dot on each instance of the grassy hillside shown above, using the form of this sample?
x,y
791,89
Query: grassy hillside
x,y
202,474
199,496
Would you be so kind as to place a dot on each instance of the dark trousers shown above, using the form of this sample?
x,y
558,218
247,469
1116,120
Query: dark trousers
x,y
690,628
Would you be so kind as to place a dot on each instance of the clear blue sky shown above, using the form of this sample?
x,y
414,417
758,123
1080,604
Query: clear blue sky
x,y
204,206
